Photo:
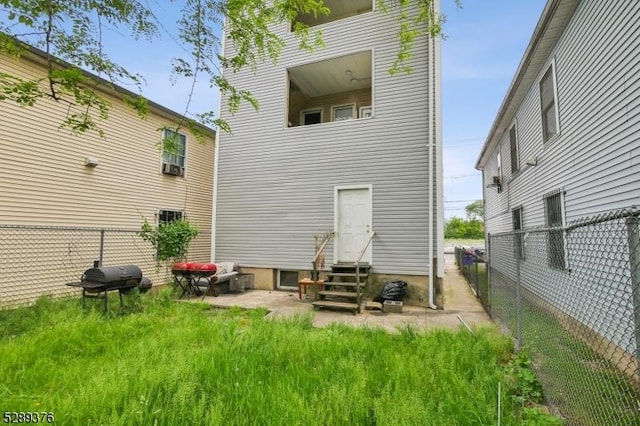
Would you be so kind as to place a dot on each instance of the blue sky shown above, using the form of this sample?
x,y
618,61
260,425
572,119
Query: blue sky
x,y
485,41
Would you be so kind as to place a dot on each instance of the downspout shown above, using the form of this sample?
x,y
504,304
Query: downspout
x,y
431,115
437,93
216,156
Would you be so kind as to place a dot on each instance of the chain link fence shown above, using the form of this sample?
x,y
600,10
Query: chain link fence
x,y
37,261
571,298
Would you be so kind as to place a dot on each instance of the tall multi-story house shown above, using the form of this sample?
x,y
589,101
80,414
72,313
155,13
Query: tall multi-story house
x,y
338,145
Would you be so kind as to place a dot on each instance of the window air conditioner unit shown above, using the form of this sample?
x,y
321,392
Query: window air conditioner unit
x,y
172,169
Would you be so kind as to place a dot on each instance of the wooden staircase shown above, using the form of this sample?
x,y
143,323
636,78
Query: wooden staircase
x,y
344,287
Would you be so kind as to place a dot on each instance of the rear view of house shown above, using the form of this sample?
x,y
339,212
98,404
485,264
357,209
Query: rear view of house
x,y
338,145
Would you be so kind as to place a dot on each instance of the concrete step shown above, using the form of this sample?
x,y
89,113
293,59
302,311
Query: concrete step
x,y
336,305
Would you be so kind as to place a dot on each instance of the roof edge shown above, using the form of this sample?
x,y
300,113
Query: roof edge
x,y
38,54
539,34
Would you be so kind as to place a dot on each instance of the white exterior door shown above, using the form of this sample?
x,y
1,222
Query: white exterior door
x,y
353,223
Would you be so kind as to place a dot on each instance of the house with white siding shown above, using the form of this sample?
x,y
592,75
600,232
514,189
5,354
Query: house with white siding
x,y
337,145
563,149
566,144
52,178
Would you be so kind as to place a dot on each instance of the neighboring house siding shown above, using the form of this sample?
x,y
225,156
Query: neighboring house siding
x,y
45,181
596,156
276,184
594,160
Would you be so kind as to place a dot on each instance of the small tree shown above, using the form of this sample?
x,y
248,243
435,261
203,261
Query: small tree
x,y
169,240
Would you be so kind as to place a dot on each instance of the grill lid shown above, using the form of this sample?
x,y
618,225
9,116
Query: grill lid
x,y
125,274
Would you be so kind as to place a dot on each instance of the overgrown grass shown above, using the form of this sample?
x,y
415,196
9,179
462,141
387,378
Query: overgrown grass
x,y
171,363
583,385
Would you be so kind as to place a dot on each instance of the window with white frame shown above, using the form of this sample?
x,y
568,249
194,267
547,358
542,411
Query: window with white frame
x,y
513,144
174,147
554,218
516,215
342,112
548,104
166,216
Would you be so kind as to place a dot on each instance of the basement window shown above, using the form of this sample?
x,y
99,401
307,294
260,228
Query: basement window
x,y
166,216
339,9
330,90
287,279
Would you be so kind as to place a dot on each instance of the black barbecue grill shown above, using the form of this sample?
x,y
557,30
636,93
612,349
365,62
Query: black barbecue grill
x,y
98,282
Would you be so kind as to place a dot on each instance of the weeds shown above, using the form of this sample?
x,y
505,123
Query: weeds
x,y
183,363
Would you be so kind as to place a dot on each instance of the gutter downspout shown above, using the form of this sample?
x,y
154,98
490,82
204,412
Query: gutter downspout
x,y
431,119
215,164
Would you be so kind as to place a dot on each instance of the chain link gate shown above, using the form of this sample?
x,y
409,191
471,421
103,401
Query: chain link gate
x,y
571,298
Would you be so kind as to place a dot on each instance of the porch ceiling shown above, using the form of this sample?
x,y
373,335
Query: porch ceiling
x,y
337,75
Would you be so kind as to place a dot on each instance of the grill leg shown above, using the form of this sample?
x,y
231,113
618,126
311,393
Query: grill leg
x,y
106,300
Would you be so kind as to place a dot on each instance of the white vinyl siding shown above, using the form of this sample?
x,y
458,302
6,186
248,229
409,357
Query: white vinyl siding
x,y
276,185
45,181
596,157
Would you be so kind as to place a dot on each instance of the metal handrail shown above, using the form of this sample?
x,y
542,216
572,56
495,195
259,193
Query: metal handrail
x,y
357,265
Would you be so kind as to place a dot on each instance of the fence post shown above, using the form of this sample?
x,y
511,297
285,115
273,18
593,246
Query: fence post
x,y
634,263
488,267
518,295
101,246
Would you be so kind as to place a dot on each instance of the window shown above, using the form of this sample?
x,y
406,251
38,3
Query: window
x,y
554,215
342,112
311,116
287,279
174,148
499,161
548,105
340,9
334,89
513,143
519,237
166,216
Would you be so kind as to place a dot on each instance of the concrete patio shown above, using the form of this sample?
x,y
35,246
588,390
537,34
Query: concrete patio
x,y
461,307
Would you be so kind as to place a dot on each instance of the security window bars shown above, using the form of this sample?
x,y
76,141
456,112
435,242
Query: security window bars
x,y
518,237
166,216
174,148
513,141
548,105
554,219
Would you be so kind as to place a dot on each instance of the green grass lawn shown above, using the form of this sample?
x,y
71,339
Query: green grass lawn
x,y
171,363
